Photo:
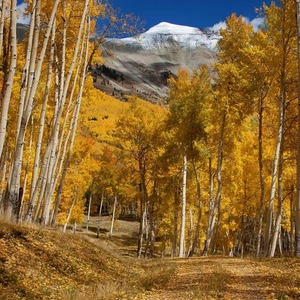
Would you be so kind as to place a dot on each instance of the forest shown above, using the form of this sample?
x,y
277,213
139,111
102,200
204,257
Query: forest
x,y
212,169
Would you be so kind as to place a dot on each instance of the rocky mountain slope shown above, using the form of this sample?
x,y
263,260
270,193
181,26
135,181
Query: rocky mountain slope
x,y
142,64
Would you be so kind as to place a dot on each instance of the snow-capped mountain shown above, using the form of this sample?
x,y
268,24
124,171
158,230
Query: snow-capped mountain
x,y
141,64
165,33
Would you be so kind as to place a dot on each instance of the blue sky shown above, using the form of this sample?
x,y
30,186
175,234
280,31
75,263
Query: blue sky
x,y
195,13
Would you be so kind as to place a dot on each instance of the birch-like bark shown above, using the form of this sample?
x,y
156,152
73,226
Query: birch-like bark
x,y
113,216
276,160
24,188
14,184
51,148
3,168
89,213
9,84
141,232
261,177
38,148
191,232
215,204
74,125
71,209
4,8
199,198
30,60
175,225
277,228
64,142
183,210
100,213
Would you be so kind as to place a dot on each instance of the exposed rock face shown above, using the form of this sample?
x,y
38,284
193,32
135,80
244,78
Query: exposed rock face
x,y
142,64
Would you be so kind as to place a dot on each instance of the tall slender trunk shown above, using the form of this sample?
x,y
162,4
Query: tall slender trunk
x,y
3,168
183,210
191,233
277,228
199,198
175,224
100,212
113,216
292,222
14,183
149,250
74,126
63,95
142,228
9,85
30,61
215,204
282,101
71,209
2,24
64,142
261,177
89,212
38,148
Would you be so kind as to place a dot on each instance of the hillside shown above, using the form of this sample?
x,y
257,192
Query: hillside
x,y
141,65
40,263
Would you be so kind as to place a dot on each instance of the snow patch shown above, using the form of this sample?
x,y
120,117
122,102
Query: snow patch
x,y
164,34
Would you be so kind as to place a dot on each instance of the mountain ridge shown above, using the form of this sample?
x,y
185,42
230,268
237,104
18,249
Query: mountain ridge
x,y
145,62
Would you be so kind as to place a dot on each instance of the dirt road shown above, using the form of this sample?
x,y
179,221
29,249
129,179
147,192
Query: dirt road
x,y
230,278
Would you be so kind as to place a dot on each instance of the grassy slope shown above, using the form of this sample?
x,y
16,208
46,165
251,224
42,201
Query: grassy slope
x,y
38,263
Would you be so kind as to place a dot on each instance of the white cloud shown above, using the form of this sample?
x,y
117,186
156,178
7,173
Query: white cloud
x,y
23,19
218,26
256,23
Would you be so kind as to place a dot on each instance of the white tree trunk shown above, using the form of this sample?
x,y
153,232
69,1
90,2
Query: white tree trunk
x,y
4,8
261,177
100,212
51,149
113,217
89,212
43,116
10,80
74,125
275,165
215,204
71,209
182,231
13,187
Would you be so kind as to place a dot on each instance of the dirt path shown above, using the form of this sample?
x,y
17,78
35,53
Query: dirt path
x,y
203,277
226,278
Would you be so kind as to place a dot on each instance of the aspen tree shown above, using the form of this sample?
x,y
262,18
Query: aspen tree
x,y
71,208
74,122
5,102
215,201
70,135
113,215
183,209
100,213
43,113
3,7
282,28
63,95
14,184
